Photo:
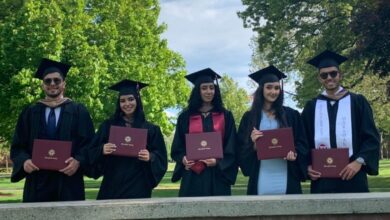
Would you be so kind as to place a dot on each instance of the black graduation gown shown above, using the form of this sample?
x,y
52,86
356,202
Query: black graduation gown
x,y
212,181
250,165
365,141
127,177
74,125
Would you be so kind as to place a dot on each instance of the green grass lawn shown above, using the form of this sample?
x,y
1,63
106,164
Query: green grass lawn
x,y
12,192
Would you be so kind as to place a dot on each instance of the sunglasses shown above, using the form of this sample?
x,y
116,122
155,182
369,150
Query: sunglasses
x,y
332,74
56,81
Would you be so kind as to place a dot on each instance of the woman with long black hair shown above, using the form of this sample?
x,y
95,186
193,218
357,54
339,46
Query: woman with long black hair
x,y
128,177
205,113
272,176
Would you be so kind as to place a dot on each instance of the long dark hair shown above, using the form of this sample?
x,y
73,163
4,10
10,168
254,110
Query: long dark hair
x,y
195,101
139,115
258,103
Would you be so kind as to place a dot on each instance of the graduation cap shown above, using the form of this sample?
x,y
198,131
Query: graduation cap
x,y
203,76
270,73
327,59
50,66
126,87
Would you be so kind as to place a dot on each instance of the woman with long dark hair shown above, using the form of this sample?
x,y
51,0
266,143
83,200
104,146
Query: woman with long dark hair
x,y
205,113
271,176
128,177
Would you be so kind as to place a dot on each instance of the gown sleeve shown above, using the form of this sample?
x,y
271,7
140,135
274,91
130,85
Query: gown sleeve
x,y
85,132
95,151
158,164
368,136
301,146
247,158
178,148
19,147
307,116
228,165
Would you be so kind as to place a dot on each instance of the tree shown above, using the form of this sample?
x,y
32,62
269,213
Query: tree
x,y
234,98
290,32
371,25
105,41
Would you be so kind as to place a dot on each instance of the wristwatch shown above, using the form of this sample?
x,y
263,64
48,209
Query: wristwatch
x,y
360,160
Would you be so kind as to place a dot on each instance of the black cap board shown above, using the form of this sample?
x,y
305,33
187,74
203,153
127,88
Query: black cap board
x,y
50,66
203,76
270,71
327,59
126,87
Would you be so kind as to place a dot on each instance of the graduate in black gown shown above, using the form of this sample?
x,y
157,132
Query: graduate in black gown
x,y
205,111
56,118
338,118
128,177
272,176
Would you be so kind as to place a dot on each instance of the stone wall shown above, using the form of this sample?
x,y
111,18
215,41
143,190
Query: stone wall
x,y
309,206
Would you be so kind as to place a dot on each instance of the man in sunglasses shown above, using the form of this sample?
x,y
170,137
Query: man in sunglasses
x,y
338,118
53,118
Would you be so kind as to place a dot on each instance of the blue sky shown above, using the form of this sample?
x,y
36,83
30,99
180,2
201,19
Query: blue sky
x,y
208,33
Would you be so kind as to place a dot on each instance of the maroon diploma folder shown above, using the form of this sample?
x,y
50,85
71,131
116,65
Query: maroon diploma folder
x,y
129,141
200,146
329,162
50,154
275,143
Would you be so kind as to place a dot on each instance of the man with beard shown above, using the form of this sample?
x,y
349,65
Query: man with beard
x,y
53,118
338,118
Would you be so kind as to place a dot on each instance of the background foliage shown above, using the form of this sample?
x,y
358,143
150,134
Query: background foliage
x,y
105,41
290,32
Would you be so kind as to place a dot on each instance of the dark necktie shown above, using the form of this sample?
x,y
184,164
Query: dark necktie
x,y
51,123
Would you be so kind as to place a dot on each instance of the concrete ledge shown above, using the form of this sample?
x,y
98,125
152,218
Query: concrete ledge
x,y
319,206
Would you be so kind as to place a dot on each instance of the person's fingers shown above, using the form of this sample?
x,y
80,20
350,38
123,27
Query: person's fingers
x,y
28,168
314,173
313,176
109,149
345,175
66,169
33,166
71,172
343,172
206,161
144,153
69,159
349,176
144,157
71,168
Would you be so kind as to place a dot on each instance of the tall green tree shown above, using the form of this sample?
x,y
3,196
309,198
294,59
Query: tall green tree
x,y
290,32
235,99
105,41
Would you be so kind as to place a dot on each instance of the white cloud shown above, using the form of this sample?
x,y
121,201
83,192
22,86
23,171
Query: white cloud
x,y
208,33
